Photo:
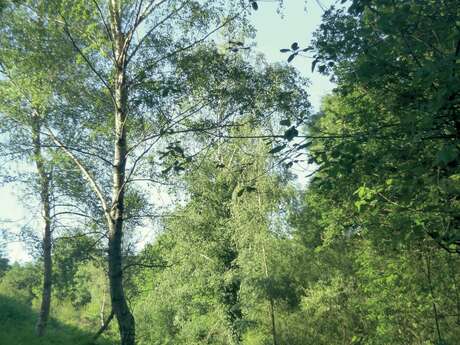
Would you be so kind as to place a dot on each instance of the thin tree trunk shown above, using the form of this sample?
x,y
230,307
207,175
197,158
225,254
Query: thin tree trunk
x,y
118,298
44,184
455,285
105,324
272,303
433,299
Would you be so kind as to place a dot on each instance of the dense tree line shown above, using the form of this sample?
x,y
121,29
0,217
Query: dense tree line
x,y
114,104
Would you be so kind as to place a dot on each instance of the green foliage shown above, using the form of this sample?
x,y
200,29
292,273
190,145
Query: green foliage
x,y
366,254
18,320
384,197
75,311
215,248
394,117
22,283
4,265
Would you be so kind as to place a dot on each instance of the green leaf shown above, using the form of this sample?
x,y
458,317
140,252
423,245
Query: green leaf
x,y
313,64
285,122
359,203
167,170
291,133
291,57
179,150
449,153
277,149
251,189
178,168
300,147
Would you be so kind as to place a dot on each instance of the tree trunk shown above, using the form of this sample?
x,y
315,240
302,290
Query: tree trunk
x,y
105,324
119,304
44,185
272,302
120,92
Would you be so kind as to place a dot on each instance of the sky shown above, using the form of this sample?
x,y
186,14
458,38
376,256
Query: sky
x,y
297,22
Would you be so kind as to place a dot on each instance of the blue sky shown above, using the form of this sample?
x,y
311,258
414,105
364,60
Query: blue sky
x,y
300,19
274,31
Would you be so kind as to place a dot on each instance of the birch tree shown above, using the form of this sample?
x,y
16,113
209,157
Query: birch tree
x,y
155,74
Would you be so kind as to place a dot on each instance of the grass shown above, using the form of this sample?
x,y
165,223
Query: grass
x,y
17,322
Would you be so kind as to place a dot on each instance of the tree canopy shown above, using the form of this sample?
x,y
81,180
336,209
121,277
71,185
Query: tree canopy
x,y
160,155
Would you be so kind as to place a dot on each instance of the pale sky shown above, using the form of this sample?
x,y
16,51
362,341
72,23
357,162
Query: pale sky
x,y
273,33
300,19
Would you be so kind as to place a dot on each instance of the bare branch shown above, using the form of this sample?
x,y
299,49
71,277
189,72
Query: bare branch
x,y
147,12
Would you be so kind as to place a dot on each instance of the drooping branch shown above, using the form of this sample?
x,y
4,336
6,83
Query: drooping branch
x,y
84,152
85,58
187,47
86,173
109,35
149,32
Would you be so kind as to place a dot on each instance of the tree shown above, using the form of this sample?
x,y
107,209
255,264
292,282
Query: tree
x,y
141,55
23,108
398,108
213,256
385,147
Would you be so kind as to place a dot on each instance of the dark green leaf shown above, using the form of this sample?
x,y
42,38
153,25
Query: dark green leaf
x,y
167,170
178,168
277,149
291,57
448,154
251,189
291,133
179,150
300,147
313,64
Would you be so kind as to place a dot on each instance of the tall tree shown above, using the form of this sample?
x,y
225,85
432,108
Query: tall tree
x,y
153,71
23,107
398,99
222,237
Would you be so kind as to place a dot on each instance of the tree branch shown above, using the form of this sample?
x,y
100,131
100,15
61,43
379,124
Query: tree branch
x,y
84,171
90,65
